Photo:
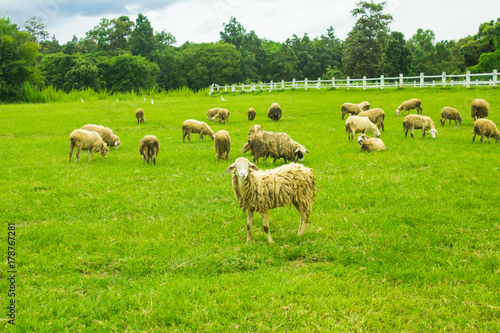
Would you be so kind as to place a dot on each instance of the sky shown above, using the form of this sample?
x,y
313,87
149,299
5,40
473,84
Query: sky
x,y
200,21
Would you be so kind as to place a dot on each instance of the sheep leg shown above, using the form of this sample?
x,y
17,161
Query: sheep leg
x,y
474,137
184,136
71,151
91,151
412,133
78,153
423,132
265,222
249,225
303,217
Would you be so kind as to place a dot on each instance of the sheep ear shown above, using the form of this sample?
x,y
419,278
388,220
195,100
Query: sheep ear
x,y
107,148
297,150
231,168
253,166
307,151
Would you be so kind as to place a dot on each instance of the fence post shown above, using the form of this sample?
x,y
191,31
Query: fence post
x,y
348,83
421,80
233,87
443,80
293,83
401,82
333,82
495,77
364,82
318,86
467,79
305,83
381,81
261,86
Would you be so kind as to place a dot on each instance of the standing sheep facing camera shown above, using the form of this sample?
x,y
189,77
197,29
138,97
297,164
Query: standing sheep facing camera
x,y
149,148
486,128
479,109
376,116
415,121
261,191
370,144
251,114
139,114
87,140
450,114
106,134
222,142
410,105
355,124
222,116
194,126
276,145
275,112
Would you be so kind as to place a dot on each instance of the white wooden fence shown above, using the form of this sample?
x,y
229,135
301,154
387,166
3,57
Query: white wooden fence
x,y
464,80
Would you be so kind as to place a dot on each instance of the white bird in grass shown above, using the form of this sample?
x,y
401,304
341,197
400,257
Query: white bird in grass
x,y
81,99
152,102
222,98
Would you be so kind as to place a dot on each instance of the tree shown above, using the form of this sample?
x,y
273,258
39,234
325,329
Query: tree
x,y
142,39
365,44
397,56
36,28
18,56
233,33
119,33
284,64
423,52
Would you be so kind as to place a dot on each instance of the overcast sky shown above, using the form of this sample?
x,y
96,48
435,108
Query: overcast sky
x,y
200,21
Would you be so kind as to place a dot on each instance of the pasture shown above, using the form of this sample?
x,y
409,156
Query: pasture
x,y
403,240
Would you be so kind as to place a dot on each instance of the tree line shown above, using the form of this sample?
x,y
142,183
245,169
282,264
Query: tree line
x,y
120,55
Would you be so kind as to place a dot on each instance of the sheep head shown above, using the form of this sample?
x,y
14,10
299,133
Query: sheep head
x,y
117,144
362,138
398,110
433,133
104,150
242,167
300,152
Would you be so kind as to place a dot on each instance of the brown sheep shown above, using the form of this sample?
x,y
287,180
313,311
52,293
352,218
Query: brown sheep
x,y
414,121
275,112
194,126
87,140
486,128
376,116
410,105
450,114
479,109
222,142
251,114
139,114
149,148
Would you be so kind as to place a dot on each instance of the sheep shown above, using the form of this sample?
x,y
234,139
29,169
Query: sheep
x,y
106,134
479,109
370,144
251,114
149,148
352,109
212,112
260,191
139,114
277,145
376,116
448,113
486,128
414,121
410,105
222,142
193,126
275,112
364,106
355,124
222,116
87,140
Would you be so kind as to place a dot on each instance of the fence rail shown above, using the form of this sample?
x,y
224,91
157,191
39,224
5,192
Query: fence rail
x,y
464,80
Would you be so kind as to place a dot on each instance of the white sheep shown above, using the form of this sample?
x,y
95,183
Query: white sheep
x,y
261,191
410,105
355,124
486,128
149,147
415,121
370,144
87,140
106,133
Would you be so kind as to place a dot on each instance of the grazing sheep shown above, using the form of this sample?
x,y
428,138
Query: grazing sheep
x,y
87,140
139,114
260,191
355,124
106,134
448,113
251,114
414,121
364,106
277,145
370,144
410,105
376,116
194,126
149,148
212,112
479,109
486,128
275,112
350,108
222,116
222,142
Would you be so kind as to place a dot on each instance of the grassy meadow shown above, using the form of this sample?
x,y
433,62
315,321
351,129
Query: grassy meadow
x,y
404,240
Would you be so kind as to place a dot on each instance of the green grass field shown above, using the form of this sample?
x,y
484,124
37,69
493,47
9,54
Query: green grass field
x,y
404,240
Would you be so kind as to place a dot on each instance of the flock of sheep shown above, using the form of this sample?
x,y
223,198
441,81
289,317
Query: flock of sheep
x,y
259,191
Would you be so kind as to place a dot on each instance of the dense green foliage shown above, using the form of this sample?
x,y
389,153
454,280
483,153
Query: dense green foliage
x,y
402,241
370,49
